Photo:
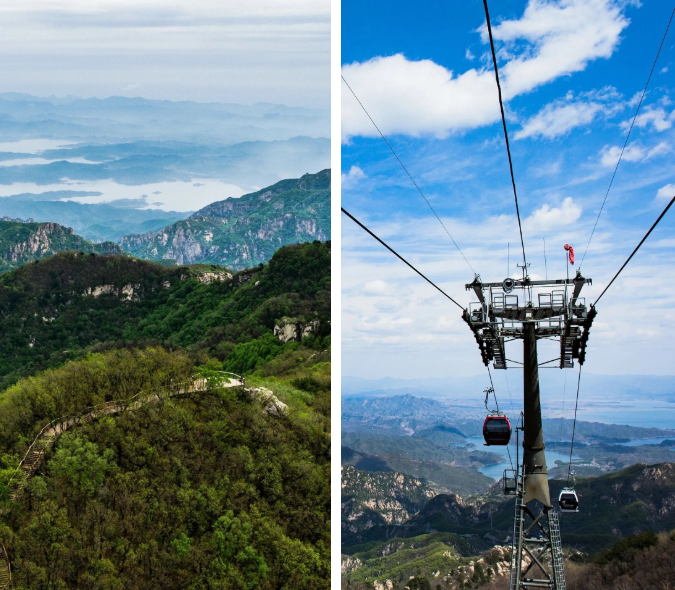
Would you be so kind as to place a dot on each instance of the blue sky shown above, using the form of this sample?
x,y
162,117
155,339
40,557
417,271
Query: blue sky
x,y
571,71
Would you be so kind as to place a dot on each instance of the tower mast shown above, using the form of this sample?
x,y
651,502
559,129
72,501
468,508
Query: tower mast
x,y
498,315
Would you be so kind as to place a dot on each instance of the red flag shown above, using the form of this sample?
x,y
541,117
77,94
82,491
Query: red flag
x,y
571,251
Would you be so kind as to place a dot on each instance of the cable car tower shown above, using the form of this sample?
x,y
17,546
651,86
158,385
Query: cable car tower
x,y
530,310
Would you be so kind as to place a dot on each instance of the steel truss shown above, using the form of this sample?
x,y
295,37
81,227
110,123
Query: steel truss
x,y
501,315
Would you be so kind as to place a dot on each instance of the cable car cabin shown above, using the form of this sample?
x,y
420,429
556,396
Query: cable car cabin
x,y
568,500
510,482
496,430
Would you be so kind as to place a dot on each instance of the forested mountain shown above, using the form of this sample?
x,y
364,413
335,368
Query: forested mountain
x,y
242,232
207,488
613,506
24,242
52,310
201,491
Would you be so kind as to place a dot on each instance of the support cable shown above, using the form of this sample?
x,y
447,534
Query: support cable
x,y
636,249
574,427
506,135
419,190
508,388
625,143
399,256
562,413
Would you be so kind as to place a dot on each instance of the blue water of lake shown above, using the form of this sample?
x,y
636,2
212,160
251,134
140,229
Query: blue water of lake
x,y
631,414
497,471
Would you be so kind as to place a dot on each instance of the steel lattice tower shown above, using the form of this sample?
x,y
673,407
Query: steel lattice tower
x,y
498,317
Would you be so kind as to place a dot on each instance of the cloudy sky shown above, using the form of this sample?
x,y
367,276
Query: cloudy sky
x,y
205,50
571,71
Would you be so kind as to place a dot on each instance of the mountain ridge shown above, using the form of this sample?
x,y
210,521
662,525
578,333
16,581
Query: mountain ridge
x,y
22,242
245,231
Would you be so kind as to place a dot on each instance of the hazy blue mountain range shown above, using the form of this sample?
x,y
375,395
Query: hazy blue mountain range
x,y
109,119
144,162
143,155
242,232
419,417
456,388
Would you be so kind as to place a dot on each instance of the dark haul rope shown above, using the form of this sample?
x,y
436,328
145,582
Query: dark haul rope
x,y
398,256
506,135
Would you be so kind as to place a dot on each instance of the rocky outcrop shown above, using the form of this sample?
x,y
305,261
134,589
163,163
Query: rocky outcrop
x,y
210,277
349,564
289,329
271,404
379,498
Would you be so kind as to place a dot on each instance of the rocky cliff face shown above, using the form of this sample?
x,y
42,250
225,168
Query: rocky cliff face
x,y
240,233
379,498
24,242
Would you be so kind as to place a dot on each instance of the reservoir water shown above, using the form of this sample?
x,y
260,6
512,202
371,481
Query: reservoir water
x,y
496,471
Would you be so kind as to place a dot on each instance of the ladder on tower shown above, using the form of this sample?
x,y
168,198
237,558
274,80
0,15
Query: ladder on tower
x,y
517,532
569,344
556,550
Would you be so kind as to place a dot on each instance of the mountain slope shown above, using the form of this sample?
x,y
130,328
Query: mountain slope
x,y
24,242
243,232
53,310
638,498
204,490
379,498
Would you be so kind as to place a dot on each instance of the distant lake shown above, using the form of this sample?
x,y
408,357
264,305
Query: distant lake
x,y
497,471
647,416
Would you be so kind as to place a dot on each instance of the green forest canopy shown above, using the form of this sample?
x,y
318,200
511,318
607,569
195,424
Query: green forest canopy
x,y
202,491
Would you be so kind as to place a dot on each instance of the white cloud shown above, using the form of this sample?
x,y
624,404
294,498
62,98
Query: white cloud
x,y
559,118
351,178
416,98
547,217
547,169
657,117
470,56
564,37
377,287
666,192
633,153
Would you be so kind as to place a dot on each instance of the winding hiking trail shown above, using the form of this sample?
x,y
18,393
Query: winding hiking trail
x,y
50,433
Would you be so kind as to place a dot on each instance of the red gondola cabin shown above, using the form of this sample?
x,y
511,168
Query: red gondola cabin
x,y
496,430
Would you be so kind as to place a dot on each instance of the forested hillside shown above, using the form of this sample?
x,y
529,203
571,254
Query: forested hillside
x,y
203,489
54,310
429,545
